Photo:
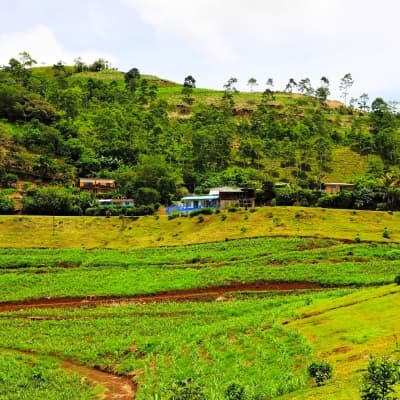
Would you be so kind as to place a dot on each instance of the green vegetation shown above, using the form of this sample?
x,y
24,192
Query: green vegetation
x,y
213,343
160,140
75,273
321,371
131,232
379,380
37,378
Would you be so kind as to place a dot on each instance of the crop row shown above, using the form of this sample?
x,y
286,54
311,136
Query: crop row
x,y
214,343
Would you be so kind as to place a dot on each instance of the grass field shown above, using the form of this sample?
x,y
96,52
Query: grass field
x,y
156,231
40,273
261,339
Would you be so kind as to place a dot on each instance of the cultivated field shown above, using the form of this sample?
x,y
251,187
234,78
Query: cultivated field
x,y
133,316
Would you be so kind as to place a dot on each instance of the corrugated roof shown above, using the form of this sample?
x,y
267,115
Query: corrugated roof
x,y
339,183
206,197
96,180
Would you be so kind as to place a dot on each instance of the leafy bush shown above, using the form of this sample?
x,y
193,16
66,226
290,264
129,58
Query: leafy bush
x,y
173,215
146,195
48,201
7,205
285,197
235,392
382,207
128,211
8,179
321,371
378,381
203,211
397,279
186,390
386,233
232,209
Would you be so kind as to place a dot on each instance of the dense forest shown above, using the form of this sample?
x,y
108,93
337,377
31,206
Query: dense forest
x,y
160,140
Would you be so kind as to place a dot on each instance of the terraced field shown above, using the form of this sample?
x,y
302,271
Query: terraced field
x,y
252,311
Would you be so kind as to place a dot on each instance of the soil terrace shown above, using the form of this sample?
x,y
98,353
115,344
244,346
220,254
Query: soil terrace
x,y
200,294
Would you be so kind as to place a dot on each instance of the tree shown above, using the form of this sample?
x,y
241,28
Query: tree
x,y
187,89
305,87
378,381
292,84
48,201
230,85
270,83
252,82
189,82
323,91
345,84
99,65
79,65
132,78
363,102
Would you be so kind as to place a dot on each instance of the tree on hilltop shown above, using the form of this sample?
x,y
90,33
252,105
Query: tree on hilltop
x,y
345,84
252,82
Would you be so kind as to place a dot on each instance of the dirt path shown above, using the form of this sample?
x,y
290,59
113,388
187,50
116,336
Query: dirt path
x,y
115,387
203,294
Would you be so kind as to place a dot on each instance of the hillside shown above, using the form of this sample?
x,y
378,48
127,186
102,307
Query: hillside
x,y
165,139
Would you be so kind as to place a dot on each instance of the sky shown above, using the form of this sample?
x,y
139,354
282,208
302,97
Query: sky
x,y
214,40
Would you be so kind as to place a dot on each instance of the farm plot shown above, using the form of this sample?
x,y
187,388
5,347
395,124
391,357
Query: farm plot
x,y
43,273
214,343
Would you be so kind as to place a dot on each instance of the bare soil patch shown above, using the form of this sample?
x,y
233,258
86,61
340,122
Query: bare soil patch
x,y
115,386
201,294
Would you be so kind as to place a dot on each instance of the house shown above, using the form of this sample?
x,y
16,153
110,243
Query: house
x,y
96,185
234,196
222,197
116,202
332,188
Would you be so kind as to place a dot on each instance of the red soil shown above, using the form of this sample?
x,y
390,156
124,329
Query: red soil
x,y
202,294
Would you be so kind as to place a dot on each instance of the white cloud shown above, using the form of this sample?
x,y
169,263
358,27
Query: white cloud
x,y
286,38
43,46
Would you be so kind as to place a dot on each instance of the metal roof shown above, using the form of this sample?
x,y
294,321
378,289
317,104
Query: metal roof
x,y
339,183
206,197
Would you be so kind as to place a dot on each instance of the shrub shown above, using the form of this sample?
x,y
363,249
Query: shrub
x,y
235,392
386,233
140,210
186,390
203,211
223,217
397,279
232,209
357,239
48,201
6,205
321,371
285,197
382,207
145,195
378,381
92,211
173,215
8,179
200,218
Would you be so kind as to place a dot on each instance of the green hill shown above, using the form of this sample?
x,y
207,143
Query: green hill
x,y
63,122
